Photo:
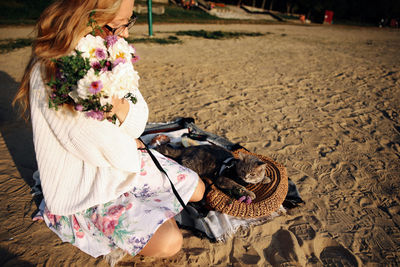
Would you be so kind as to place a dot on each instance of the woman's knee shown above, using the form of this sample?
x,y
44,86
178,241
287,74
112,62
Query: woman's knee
x,y
166,241
174,245
198,192
170,244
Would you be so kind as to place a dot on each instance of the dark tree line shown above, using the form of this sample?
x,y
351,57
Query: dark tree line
x,y
364,11
22,9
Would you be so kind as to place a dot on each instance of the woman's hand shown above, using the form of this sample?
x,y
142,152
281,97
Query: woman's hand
x,y
120,108
139,144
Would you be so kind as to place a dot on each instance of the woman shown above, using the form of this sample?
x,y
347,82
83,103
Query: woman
x,y
102,192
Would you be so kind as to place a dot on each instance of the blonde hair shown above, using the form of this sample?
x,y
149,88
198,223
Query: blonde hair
x,y
59,29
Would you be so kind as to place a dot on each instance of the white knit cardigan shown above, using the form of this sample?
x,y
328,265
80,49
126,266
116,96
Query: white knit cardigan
x,y
83,162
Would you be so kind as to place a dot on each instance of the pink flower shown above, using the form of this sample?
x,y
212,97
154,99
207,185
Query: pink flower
x,y
134,59
100,115
143,172
105,224
129,206
97,115
142,164
157,200
181,177
79,107
80,234
108,226
118,61
111,40
96,65
115,212
126,194
100,53
95,87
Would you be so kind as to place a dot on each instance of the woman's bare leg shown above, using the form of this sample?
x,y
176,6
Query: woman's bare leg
x,y
198,192
166,241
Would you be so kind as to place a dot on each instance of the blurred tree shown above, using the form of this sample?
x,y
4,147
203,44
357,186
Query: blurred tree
x,y
271,5
22,9
263,4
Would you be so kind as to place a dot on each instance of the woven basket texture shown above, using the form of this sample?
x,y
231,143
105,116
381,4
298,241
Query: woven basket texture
x,y
269,197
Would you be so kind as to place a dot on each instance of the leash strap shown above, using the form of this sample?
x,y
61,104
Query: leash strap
x,y
227,164
172,185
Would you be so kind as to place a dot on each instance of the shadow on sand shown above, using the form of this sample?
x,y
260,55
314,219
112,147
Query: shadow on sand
x,y
9,259
17,133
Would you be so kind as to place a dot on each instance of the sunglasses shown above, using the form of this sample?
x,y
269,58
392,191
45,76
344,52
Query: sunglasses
x,y
119,30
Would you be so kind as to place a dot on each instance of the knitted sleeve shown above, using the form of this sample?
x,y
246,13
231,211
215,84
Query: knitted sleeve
x,y
99,143
135,121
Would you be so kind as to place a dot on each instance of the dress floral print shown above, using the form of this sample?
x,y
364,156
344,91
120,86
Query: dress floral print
x,y
129,221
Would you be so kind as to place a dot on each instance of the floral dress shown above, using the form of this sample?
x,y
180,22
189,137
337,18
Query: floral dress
x,y
129,221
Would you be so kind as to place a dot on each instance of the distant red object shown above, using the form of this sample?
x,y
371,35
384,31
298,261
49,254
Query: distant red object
x,y
328,17
394,23
213,4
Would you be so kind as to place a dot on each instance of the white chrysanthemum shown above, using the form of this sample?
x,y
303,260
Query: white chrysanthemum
x,y
91,84
123,79
92,48
104,101
121,50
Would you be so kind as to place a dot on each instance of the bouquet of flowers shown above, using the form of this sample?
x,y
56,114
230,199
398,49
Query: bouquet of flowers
x,y
92,74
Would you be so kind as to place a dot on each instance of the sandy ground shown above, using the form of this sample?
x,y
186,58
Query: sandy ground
x,y
322,100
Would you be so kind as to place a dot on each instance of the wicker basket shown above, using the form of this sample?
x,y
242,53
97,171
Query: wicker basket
x,y
269,197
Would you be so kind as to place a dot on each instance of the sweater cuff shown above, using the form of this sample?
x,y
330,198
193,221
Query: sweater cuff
x,y
135,122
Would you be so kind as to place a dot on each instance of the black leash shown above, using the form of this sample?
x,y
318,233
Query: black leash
x,y
172,185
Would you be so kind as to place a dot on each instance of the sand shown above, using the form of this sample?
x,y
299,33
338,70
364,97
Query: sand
x,y
322,100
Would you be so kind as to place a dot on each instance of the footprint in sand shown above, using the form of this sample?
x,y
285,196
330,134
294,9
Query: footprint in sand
x,y
284,250
250,257
337,256
332,253
310,248
302,230
304,167
342,175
